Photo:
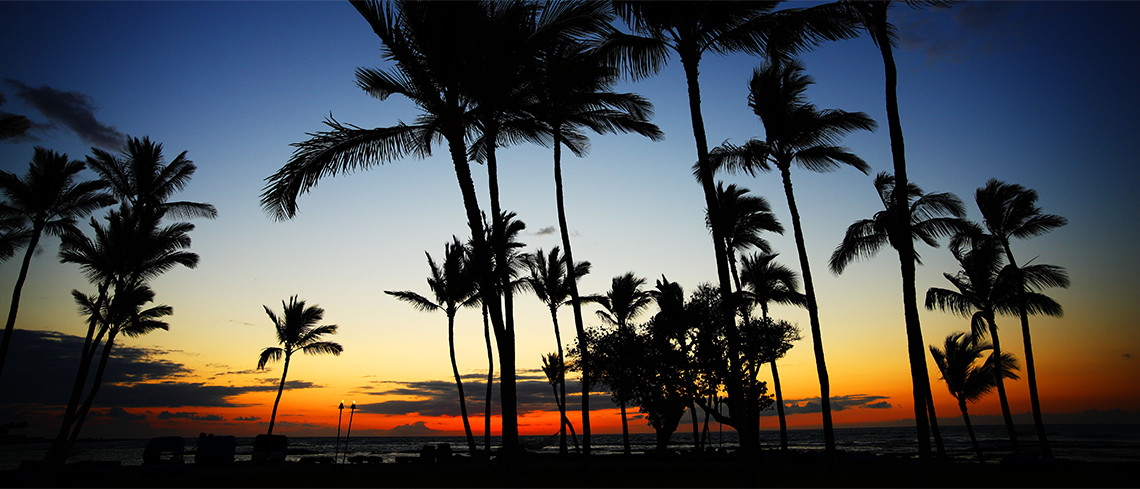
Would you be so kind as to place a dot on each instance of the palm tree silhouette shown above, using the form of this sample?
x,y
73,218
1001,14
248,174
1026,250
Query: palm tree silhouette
x,y
984,289
692,29
549,278
929,216
623,302
555,369
797,133
766,281
573,90
47,200
453,287
141,177
1010,211
965,380
743,218
297,331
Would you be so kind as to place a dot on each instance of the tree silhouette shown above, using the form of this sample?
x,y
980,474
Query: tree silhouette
x,y
297,331
744,217
622,303
555,369
47,200
967,381
141,177
797,133
1010,211
928,216
692,29
453,287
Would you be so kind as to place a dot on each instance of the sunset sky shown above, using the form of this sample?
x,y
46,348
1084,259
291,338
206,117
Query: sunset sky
x,y
1043,94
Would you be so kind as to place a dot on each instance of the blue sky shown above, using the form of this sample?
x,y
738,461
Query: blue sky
x,y
1037,93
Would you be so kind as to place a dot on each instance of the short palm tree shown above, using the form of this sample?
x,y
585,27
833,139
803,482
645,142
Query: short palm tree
x,y
47,200
555,369
1010,211
297,331
797,133
453,287
965,379
743,218
929,216
549,278
623,302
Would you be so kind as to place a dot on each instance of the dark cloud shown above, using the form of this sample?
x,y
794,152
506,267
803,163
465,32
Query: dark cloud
x,y
546,230
419,428
966,29
441,398
838,403
1127,355
247,418
189,415
118,413
73,110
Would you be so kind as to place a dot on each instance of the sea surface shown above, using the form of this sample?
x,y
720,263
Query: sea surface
x,y
1078,442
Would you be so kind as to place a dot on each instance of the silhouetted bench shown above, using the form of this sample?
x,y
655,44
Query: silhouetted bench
x,y
269,449
215,450
164,450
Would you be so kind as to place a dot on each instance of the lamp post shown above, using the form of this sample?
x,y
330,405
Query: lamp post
x,y
340,414
351,411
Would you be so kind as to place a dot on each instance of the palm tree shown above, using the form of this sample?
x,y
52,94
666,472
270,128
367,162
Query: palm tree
x,y
1010,211
453,287
48,199
549,279
929,216
555,369
12,125
141,177
766,281
743,218
297,331
984,289
692,29
623,302
797,133
573,90
967,381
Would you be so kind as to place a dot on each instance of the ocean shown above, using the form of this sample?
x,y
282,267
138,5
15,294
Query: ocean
x,y
1078,442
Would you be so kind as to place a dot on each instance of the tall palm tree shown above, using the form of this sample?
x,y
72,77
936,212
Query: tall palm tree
x,y
929,216
623,302
297,331
141,177
573,90
1010,211
744,217
549,278
966,380
766,281
47,200
797,133
982,291
453,287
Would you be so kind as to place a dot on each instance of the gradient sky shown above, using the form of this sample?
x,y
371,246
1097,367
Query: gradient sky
x,y
1042,94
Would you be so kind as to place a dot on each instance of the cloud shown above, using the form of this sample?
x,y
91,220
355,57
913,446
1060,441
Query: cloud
x,y
1127,355
441,397
189,415
118,413
966,29
73,110
419,428
838,403
546,230
247,418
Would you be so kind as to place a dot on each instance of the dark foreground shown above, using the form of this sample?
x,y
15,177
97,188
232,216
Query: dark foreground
x,y
794,470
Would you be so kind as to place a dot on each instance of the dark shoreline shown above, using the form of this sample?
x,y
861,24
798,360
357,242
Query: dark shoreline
x,y
797,469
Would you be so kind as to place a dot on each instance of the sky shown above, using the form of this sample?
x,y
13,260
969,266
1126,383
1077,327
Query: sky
x,y
1041,94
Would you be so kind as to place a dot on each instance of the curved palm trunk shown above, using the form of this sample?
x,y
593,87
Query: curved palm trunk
x,y
970,429
81,415
280,389
813,315
562,447
579,329
14,308
780,408
57,453
505,341
740,403
1000,379
490,383
1030,369
459,383
939,447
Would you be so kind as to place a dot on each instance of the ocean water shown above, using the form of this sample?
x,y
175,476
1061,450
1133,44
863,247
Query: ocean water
x,y
1078,442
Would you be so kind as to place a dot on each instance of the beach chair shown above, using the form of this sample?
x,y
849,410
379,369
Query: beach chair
x,y
269,449
164,450
215,450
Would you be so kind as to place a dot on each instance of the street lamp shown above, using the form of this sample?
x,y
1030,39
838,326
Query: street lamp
x,y
351,411
340,414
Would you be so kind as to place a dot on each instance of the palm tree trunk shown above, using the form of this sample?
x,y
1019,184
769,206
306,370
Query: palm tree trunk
x,y
579,329
487,282
690,62
696,426
1000,379
11,324
1030,369
81,415
563,449
459,383
939,446
813,315
626,449
490,383
780,408
280,389
57,453
970,430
